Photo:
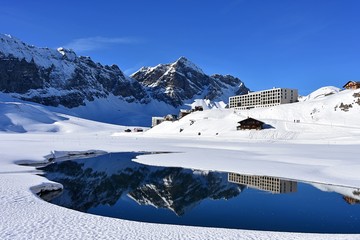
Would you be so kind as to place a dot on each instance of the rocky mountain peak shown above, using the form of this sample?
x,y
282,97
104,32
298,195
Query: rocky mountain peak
x,y
67,53
184,64
182,81
57,77
8,37
60,77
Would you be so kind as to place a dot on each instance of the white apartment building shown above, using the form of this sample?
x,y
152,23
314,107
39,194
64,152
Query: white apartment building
x,y
266,183
265,98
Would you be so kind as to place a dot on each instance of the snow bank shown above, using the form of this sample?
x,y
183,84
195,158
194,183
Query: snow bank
x,y
321,147
20,118
331,119
321,92
24,216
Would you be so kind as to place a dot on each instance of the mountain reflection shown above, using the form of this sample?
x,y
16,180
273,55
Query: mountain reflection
x,y
102,180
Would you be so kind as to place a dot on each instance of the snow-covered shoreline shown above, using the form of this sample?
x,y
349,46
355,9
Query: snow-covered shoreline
x,y
323,147
24,215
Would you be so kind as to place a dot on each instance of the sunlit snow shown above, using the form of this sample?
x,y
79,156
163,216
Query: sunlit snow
x,y
315,140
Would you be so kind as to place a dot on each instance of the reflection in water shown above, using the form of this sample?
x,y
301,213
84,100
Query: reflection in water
x,y
351,200
50,195
105,179
350,195
279,185
113,185
265,183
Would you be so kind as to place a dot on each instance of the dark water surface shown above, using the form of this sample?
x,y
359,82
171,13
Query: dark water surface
x,y
115,186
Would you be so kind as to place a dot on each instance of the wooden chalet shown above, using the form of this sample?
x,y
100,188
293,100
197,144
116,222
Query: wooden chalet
x,y
198,108
250,123
352,85
183,112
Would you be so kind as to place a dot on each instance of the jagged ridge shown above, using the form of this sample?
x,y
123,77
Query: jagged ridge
x,y
59,77
182,80
56,77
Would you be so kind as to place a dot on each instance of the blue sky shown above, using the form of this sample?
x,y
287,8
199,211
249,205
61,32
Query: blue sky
x,y
304,44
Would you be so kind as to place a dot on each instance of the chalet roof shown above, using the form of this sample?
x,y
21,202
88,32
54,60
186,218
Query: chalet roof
x,y
250,119
357,82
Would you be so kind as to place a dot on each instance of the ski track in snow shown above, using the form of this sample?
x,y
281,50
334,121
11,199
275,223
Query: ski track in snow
x,y
273,135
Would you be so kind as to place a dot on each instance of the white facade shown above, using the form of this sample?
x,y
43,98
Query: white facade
x,y
266,183
156,121
265,98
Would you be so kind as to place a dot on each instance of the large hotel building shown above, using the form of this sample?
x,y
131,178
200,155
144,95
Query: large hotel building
x,y
265,98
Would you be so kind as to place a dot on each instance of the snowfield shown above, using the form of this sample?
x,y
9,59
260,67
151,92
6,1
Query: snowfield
x,y
315,140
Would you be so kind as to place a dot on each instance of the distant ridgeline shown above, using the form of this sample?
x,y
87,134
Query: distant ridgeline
x,y
58,77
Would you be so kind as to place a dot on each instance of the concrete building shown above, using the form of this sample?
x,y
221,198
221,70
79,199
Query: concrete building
x,y
265,183
265,98
156,121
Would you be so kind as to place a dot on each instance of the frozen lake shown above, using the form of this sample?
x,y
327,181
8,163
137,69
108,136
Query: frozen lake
x,y
115,186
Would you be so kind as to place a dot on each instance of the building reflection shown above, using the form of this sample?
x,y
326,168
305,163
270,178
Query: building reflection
x,y
265,183
351,200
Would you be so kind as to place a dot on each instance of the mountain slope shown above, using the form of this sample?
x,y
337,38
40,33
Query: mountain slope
x,y
59,77
181,81
334,117
18,117
78,86
321,92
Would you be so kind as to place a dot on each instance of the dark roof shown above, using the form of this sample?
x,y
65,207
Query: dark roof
x,y
358,82
250,119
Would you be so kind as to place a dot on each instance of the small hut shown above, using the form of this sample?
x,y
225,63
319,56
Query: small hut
x,y
352,85
250,123
183,113
138,130
198,108
170,117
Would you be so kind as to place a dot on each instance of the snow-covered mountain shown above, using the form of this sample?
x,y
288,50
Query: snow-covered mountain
x,y
77,85
177,82
60,77
334,117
